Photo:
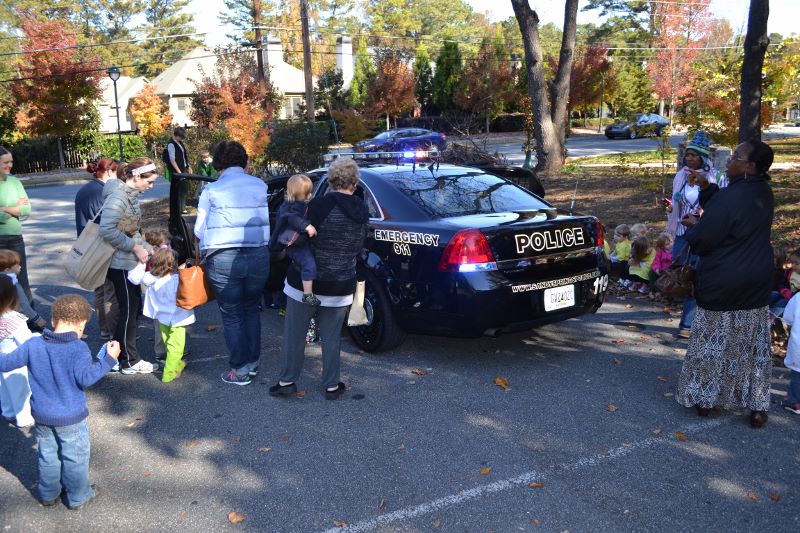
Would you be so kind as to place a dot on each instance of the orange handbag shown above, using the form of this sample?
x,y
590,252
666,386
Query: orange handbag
x,y
194,287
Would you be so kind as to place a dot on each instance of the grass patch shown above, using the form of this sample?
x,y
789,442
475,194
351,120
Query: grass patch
x,y
649,156
786,150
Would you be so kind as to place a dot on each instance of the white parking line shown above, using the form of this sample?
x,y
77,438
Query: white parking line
x,y
523,479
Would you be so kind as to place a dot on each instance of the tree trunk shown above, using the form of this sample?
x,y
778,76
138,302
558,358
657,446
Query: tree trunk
x,y
661,106
549,126
487,123
755,46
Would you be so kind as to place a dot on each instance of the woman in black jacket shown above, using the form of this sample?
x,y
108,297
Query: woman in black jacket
x,y
728,363
340,218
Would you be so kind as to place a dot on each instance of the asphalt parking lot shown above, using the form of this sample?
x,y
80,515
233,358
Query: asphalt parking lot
x,y
585,436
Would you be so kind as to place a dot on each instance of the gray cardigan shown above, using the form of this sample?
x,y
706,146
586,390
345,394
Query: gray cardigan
x,y
119,199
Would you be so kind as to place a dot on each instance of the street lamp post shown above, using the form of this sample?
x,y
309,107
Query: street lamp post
x,y
114,73
603,68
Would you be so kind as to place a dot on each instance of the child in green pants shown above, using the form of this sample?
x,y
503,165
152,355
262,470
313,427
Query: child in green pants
x,y
160,304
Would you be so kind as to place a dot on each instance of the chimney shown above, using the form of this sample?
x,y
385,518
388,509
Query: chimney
x,y
344,59
273,53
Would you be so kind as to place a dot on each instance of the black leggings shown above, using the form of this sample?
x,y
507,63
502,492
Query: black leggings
x,y
129,297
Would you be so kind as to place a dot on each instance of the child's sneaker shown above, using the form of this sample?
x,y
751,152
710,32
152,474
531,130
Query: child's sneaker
x,y
230,376
643,289
142,367
633,286
623,283
253,372
311,299
791,407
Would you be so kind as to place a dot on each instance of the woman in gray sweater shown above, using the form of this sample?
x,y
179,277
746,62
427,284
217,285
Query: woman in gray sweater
x,y
121,200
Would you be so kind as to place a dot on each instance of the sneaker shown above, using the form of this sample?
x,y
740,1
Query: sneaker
x,y
791,407
162,358
230,376
644,289
684,333
50,503
142,367
253,372
311,299
623,283
115,368
105,335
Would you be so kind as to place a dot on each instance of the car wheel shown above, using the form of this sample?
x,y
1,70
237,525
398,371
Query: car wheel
x,y
609,137
381,332
632,134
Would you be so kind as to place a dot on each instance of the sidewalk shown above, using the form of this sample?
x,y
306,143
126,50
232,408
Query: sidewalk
x,y
54,177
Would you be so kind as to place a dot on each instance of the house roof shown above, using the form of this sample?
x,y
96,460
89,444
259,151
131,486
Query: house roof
x,y
178,78
127,88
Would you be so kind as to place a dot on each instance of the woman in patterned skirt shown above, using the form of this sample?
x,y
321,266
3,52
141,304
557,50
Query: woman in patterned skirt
x,y
728,363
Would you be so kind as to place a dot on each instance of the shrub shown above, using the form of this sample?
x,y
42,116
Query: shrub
x,y
296,147
353,127
133,146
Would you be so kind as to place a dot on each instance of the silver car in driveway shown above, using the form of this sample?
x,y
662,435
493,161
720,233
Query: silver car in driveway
x,y
644,124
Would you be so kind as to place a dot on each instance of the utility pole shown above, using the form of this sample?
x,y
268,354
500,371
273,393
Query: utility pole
x,y
261,74
307,61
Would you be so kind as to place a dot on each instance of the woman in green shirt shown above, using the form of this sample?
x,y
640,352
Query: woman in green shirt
x,y
14,206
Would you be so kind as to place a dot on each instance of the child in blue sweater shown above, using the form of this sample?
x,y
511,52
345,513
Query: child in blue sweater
x,y
60,368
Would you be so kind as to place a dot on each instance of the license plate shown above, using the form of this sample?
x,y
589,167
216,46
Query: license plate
x,y
559,297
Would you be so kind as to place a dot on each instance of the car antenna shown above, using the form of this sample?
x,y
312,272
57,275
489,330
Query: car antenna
x,y
574,194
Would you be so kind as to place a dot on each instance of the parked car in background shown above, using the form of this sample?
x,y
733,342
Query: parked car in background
x,y
402,139
644,124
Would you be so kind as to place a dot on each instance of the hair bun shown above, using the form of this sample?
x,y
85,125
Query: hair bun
x,y
91,167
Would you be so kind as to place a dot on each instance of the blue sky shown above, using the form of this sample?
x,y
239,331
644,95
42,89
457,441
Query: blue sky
x,y
783,14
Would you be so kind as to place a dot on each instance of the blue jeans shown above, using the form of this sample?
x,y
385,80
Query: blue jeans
x,y
64,459
679,251
238,276
793,393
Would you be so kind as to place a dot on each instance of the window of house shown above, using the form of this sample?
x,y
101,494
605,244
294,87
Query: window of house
x,y
292,106
181,104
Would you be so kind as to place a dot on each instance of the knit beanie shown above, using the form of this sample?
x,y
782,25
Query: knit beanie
x,y
700,143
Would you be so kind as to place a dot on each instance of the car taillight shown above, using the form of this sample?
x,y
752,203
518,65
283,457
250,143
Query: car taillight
x,y
467,251
599,233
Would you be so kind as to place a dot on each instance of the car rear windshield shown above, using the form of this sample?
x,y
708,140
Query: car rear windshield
x,y
464,193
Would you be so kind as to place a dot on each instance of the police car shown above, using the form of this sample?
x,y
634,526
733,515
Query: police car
x,y
459,251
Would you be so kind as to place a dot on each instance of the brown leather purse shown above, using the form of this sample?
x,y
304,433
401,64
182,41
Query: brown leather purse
x,y
677,282
194,287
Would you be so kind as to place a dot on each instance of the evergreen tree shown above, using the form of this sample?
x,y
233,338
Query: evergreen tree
x,y
164,19
329,93
364,71
447,78
423,76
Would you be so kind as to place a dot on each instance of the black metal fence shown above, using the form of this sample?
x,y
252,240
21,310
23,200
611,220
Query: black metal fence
x,y
42,154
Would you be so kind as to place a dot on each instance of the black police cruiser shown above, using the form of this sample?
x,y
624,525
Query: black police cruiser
x,y
458,251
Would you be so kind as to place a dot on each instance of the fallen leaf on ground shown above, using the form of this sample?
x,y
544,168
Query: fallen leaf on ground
x,y
657,432
285,437
139,418
382,504
662,379
666,310
236,518
485,470
124,478
631,326
535,521
536,484
611,408
669,394
237,439
264,449
628,306
752,495
213,327
401,447
618,341
774,496
181,515
681,436
421,372
131,424
437,523
616,361
339,523
300,394
501,382
147,474
191,444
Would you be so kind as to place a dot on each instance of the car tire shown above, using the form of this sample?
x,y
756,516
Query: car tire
x,y
609,137
632,134
382,332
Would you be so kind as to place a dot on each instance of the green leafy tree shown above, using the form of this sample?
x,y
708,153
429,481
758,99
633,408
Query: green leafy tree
x,y
363,73
329,92
423,76
782,74
633,91
165,18
416,19
447,79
